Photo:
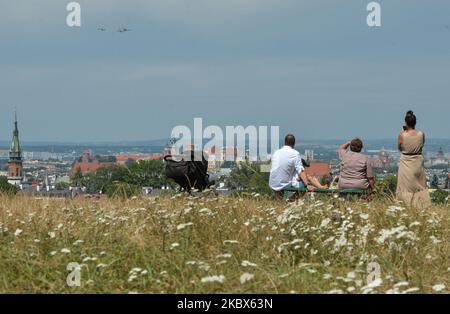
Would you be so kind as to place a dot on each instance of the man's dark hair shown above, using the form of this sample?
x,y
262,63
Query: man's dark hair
x,y
356,145
410,119
289,140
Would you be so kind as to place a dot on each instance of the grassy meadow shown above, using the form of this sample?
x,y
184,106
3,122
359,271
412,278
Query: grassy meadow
x,y
209,244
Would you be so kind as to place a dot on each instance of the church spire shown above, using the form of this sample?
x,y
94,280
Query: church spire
x,y
15,167
15,153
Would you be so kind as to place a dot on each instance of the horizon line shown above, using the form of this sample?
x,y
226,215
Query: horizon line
x,y
117,142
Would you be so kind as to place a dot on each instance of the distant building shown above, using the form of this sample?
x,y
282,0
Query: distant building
x,y
87,164
382,161
309,154
122,159
440,158
217,156
15,167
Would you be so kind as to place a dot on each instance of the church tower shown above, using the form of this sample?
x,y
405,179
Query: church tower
x,y
15,168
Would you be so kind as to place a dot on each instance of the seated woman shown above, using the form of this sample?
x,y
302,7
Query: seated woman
x,y
356,170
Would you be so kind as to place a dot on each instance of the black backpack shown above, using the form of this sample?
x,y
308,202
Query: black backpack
x,y
189,170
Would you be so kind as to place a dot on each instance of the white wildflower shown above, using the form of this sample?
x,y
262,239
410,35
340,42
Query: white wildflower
x,y
364,216
401,284
211,279
248,264
335,291
246,277
327,276
374,284
325,222
187,210
206,211
136,270
411,290
65,250
439,287
182,226
204,266
230,242
435,240
18,232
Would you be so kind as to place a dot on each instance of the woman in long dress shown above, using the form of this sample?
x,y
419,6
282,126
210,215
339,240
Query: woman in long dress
x,y
411,180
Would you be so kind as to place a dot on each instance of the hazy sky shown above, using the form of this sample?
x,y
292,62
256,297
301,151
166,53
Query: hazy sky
x,y
312,67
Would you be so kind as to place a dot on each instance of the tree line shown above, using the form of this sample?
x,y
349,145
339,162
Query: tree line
x,y
125,180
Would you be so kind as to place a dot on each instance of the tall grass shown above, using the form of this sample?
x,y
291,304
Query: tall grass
x,y
206,244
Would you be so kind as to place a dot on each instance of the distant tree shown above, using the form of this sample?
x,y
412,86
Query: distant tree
x,y
228,164
148,173
130,162
387,186
7,188
77,178
248,177
123,180
435,182
439,197
103,178
62,186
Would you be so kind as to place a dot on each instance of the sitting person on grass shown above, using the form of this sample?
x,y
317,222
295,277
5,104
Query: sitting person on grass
x,y
356,170
288,171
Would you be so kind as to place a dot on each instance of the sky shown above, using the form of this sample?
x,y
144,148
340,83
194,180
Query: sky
x,y
313,68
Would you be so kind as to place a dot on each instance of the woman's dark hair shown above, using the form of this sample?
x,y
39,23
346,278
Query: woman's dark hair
x,y
410,119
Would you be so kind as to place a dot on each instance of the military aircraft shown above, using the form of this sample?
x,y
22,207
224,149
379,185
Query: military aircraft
x,y
102,29
123,30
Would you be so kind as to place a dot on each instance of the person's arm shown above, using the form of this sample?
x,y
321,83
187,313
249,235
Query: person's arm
x,y
372,183
345,146
400,140
342,149
305,179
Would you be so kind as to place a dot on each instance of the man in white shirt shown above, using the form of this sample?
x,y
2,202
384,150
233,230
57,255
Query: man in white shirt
x,y
288,171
